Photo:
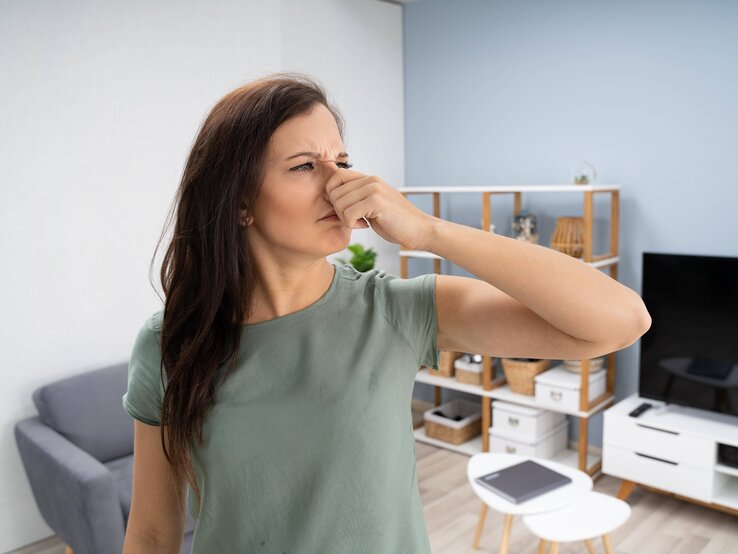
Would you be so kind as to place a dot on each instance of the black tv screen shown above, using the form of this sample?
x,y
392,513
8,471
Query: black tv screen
x,y
689,356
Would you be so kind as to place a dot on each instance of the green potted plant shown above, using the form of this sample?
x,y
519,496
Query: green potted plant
x,y
362,259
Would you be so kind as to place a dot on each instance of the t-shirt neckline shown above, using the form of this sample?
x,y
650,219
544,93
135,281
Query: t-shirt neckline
x,y
306,310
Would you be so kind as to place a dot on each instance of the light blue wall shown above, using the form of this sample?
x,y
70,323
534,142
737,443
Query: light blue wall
x,y
504,92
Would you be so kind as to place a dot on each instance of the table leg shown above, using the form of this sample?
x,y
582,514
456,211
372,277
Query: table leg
x,y
607,543
507,527
480,525
554,548
590,546
542,547
626,487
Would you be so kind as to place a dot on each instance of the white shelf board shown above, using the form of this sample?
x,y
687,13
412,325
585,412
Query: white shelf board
x,y
419,254
503,393
469,448
514,188
605,262
728,494
727,470
424,376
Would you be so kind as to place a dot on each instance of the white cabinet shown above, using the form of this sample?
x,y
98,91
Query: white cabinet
x,y
671,448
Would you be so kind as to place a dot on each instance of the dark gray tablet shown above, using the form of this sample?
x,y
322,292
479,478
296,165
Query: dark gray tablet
x,y
523,481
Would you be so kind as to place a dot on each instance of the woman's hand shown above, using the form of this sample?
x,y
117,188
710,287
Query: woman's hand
x,y
355,196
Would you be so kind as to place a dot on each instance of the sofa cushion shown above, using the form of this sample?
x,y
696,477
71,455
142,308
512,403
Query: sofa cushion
x,y
86,409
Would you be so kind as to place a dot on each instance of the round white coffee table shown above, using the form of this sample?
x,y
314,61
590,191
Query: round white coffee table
x,y
595,515
487,462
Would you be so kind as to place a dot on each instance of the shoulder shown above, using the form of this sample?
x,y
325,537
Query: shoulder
x,y
148,339
154,321
392,292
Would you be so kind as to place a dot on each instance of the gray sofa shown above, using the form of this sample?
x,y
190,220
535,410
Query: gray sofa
x,y
78,456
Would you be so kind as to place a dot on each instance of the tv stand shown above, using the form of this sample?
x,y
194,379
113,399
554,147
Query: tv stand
x,y
671,449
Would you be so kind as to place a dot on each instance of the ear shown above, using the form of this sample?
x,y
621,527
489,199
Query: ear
x,y
245,219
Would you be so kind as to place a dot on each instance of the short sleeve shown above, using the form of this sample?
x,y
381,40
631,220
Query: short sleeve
x,y
143,399
410,305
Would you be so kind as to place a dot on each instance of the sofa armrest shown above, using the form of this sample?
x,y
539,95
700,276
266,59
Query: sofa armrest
x,y
75,493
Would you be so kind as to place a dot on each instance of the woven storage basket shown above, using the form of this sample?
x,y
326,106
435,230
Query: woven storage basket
x,y
446,363
469,373
448,430
468,376
521,375
595,365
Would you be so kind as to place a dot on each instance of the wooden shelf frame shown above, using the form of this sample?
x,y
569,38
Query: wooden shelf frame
x,y
491,381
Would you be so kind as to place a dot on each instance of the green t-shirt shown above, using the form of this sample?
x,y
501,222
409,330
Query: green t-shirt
x,y
309,447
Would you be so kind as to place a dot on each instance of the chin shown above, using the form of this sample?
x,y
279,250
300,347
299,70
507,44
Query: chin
x,y
339,244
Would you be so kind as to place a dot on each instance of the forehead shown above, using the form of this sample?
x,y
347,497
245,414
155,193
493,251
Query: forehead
x,y
316,131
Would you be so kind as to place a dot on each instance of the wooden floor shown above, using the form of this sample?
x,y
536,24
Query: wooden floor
x,y
658,524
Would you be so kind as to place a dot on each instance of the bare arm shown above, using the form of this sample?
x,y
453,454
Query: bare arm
x,y
156,522
570,295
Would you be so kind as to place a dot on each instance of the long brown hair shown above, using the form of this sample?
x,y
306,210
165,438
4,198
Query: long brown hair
x,y
208,274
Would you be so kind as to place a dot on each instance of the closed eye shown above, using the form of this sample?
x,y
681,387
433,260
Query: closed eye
x,y
308,166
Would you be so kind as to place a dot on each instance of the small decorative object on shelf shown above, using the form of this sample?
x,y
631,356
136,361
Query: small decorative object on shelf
x,y
585,174
595,365
568,236
362,260
468,368
524,227
521,372
456,421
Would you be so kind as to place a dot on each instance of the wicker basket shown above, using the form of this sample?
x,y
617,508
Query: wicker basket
x,y
521,374
468,373
468,376
448,430
446,363
595,365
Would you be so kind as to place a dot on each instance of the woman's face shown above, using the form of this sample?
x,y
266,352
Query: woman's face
x,y
292,199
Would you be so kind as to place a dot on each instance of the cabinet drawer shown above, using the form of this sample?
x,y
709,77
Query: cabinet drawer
x,y
661,474
631,434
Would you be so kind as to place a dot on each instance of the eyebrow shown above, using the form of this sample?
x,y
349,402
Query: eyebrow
x,y
314,155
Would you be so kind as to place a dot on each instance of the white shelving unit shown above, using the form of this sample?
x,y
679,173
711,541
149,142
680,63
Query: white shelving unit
x,y
494,387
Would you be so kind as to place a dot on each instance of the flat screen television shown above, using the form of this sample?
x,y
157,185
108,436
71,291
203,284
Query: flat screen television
x,y
689,356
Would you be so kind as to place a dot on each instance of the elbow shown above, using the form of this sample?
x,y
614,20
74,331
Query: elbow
x,y
637,326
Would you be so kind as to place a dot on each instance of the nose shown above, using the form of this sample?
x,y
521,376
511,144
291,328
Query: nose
x,y
326,161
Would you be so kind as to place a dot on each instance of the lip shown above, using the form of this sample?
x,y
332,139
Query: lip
x,y
329,215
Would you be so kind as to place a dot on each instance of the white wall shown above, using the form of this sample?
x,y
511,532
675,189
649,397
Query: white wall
x,y
99,103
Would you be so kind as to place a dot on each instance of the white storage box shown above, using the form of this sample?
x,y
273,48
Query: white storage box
x,y
548,446
559,389
523,423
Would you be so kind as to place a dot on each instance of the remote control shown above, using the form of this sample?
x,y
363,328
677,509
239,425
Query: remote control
x,y
640,409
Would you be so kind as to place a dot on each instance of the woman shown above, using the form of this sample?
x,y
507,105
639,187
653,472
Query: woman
x,y
276,385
